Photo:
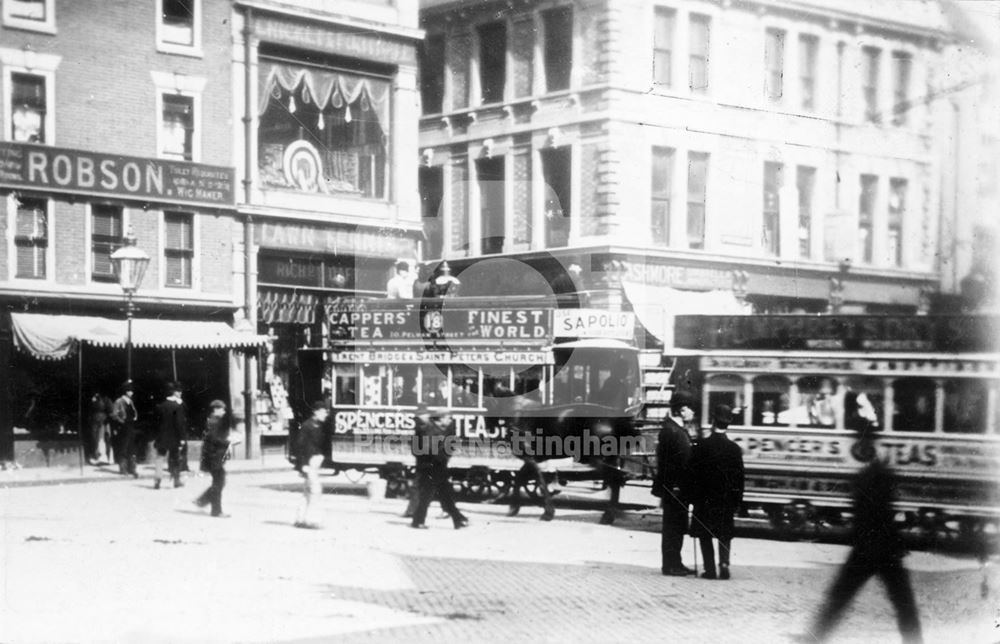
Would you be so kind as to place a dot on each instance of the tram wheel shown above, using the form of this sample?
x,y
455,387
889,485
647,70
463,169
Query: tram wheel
x,y
478,483
501,482
792,519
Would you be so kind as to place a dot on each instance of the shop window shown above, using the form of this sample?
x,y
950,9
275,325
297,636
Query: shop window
x,y
698,43
178,25
431,195
897,216
805,182
728,390
866,216
771,401
902,66
664,20
492,61
556,172
31,238
874,391
773,179
660,190
28,107
106,231
870,58
432,74
965,406
914,404
697,184
492,211
178,249
808,48
774,64
817,403
177,127
323,131
34,15
558,26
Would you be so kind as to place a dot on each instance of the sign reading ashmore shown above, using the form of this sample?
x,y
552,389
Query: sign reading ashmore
x,y
41,167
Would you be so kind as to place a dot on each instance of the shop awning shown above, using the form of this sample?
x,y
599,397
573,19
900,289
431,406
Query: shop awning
x,y
656,306
53,337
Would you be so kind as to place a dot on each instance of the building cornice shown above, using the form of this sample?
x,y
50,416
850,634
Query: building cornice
x,y
408,33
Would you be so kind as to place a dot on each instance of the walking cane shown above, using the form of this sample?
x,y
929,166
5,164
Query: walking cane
x,y
694,546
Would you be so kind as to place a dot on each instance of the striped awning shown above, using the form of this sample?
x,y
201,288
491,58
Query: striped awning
x,y
53,337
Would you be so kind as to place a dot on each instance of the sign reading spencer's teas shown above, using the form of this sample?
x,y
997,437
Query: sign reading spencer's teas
x,y
42,167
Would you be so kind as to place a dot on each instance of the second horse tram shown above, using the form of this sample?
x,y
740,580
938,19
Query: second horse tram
x,y
934,383
481,359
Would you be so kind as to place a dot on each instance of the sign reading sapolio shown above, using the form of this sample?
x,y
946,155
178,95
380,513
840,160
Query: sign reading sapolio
x,y
594,323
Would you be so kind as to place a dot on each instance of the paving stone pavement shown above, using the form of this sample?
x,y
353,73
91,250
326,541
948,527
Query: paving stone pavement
x,y
119,562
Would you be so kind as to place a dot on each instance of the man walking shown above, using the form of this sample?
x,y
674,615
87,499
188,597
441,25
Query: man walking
x,y
171,435
878,548
671,482
123,414
717,484
432,471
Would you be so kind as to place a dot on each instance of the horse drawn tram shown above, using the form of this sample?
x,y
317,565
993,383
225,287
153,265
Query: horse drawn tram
x,y
934,383
494,364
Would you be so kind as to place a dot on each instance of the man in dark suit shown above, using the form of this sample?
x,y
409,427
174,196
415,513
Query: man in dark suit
x,y
717,484
432,469
671,482
171,436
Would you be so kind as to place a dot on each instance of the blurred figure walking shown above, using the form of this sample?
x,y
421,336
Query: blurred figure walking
x,y
878,548
309,448
99,412
432,470
214,453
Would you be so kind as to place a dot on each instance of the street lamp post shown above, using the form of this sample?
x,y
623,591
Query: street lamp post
x,y
129,264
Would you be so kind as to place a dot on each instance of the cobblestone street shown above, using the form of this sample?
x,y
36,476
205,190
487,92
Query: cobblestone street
x,y
117,561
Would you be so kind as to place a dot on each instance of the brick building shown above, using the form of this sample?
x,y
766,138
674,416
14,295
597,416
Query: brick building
x,y
113,120
784,150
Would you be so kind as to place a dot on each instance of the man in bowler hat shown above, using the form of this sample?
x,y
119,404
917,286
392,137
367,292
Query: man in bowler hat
x,y
671,482
717,484
172,435
432,470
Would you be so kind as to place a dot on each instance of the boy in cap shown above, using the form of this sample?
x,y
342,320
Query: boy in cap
x,y
123,415
214,453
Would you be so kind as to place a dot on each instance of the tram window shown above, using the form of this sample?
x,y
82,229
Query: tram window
x,y
465,386
770,401
817,399
726,390
436,389
375,392
346,385
914,405
404,385
872,388
965,403
570,384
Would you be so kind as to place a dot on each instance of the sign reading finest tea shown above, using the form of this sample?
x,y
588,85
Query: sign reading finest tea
x,y
440,322
42,167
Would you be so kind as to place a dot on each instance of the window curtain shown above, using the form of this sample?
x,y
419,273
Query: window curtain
x,y
325,88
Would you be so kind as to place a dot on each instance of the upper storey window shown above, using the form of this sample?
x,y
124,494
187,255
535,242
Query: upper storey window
x,y
700,33
178,127
558,24
492,61
323,130
663,46
28,107
808,49
902,65
774,61
870,58
432,74
36,15
178,26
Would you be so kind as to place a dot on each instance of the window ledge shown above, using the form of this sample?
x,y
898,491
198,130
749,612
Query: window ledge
x,y
30,25
180,50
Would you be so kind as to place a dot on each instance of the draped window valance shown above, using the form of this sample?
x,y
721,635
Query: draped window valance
x,y
325,89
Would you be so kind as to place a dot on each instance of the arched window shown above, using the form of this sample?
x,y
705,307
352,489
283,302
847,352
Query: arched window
x,y
914,405
965,403
818,399
873,389
725,390
771,400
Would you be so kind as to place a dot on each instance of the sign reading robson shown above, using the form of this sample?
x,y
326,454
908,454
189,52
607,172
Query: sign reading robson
x,y
42,167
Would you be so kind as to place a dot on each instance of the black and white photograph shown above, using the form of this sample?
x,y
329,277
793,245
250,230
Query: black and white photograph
x,y
435,321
